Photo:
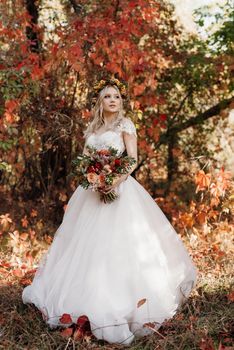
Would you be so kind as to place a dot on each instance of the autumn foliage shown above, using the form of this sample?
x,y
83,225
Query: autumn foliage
x,y
47,81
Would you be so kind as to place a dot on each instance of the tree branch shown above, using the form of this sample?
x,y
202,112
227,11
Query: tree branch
x,y
76,7
190,91
200,118
193,121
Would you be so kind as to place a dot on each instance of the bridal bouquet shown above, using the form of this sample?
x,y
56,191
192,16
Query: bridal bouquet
x,y
100,168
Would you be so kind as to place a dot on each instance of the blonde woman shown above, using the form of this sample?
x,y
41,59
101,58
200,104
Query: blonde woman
x,y
120,264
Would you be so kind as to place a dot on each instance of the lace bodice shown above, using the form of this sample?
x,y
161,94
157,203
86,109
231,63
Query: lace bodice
x,y
113,138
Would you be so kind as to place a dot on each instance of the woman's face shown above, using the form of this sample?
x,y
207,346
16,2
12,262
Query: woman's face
x,y
111,101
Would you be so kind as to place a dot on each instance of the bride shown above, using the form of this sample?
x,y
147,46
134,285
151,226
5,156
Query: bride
x,y
121,264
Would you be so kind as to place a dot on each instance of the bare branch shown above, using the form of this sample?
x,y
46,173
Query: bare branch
x,y
193,121
189,93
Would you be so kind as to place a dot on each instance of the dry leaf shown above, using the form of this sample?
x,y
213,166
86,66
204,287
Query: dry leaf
x,y
141,302
67,332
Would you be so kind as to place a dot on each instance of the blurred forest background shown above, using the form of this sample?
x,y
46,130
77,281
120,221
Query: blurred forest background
x,y
181,101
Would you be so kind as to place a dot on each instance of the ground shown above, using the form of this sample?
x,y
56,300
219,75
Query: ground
x,y
205,322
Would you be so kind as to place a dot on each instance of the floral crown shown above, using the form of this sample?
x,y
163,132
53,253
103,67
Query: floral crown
x,y
111,81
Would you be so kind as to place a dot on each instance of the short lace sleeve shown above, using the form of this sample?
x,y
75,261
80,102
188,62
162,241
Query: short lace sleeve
x,y
128,126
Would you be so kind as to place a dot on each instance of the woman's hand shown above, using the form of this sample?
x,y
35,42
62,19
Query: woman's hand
x,y
116,182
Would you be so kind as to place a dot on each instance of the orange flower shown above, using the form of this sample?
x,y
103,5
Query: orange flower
x,y
104,152
101,179
92,178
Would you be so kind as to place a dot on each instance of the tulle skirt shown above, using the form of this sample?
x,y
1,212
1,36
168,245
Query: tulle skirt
x,y
121,264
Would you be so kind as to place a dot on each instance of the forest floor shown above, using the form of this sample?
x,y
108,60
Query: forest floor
x,y
205,322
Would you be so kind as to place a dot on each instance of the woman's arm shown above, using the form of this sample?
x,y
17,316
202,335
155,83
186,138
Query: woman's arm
x,y
130,141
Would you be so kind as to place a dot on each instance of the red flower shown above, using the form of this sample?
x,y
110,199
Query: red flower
x,y
117,162
91,169
98,166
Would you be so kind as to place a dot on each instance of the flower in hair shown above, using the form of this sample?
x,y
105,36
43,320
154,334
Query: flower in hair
x,y
110,81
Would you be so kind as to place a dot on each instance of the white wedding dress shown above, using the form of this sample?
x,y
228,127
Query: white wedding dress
x,y
105,258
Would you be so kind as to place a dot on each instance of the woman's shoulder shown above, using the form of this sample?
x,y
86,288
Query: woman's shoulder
x,y
127,125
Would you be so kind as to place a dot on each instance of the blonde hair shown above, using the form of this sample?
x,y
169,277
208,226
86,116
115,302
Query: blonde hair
x,y
97,112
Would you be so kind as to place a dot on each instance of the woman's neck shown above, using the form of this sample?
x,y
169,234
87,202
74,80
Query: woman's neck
x,y
109,118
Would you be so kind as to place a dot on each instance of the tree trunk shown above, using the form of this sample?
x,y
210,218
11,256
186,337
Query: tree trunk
x,y
31,6
172,164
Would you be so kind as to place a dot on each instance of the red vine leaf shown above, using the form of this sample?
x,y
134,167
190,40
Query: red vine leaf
x,y
65,318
